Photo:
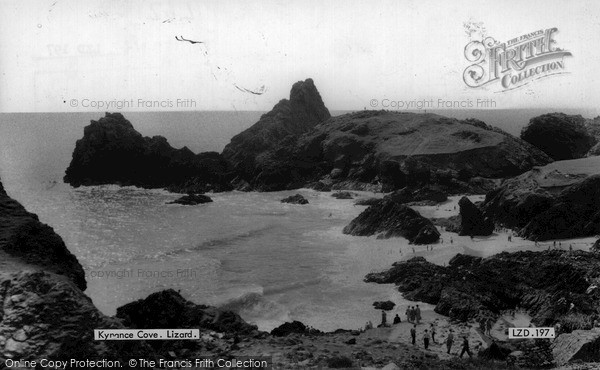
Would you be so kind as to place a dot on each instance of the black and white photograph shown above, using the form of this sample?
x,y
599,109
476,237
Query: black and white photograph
x,y
301,184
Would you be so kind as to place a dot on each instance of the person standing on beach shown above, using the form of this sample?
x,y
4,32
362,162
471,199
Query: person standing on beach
x,y
465,348
449,341
426,339
488,327
413,334
418,314
383,318
408,314
432,327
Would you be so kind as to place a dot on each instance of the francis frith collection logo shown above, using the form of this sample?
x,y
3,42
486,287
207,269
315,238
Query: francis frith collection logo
x,y
514,63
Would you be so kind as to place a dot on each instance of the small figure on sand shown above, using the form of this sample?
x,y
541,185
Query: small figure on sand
x,y
451,240
368,325
418,314
397,319
488,327
570,247
383,318
413,334
465,348
413,250
449,341
426,339
432,328
409,314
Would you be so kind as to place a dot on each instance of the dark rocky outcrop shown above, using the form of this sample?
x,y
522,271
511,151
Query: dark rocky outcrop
x,y
295,199
384,305
559,135
546,205
472,220
367,201
113,152
192,199
391,219
168,309
253,151
391,150
427,194
544,283
579,345
287,328
342,195
29,242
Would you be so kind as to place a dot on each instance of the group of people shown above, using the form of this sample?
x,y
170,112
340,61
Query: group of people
x,y
449,340
413,314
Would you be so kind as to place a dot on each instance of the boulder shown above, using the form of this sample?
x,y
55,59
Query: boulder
x,y
288,328
342,195
391,219
473,222
192,200
384,305
295,199
579,345
559,135
367,201
113,152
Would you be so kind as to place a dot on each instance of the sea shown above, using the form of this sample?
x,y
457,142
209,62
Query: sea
x,y
271,262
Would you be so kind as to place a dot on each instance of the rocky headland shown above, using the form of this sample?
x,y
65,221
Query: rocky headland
x,y
298,144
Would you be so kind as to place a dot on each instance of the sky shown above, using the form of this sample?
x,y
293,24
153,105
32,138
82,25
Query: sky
x,y
67,56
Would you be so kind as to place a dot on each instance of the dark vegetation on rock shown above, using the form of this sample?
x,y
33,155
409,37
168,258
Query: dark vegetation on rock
x,y
559,135
544,283
113,152
192,199
426,195
295,199
391,219
294,327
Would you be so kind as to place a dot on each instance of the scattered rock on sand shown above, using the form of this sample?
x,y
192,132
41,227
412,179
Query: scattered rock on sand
x,y
384,305
295,199
192,200
288,328
342,195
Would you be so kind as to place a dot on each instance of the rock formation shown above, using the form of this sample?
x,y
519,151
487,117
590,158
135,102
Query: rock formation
x,y
192,200
113,152
580,345
391,150
559,135
168,309
342,195
250,152
25,241
472,220
391,219
295,199
384,305
427,194
544,283
546,205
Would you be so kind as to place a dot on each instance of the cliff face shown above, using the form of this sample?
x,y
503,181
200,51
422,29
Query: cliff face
x,y
43,310
113,152
249,150
552,202
25,241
